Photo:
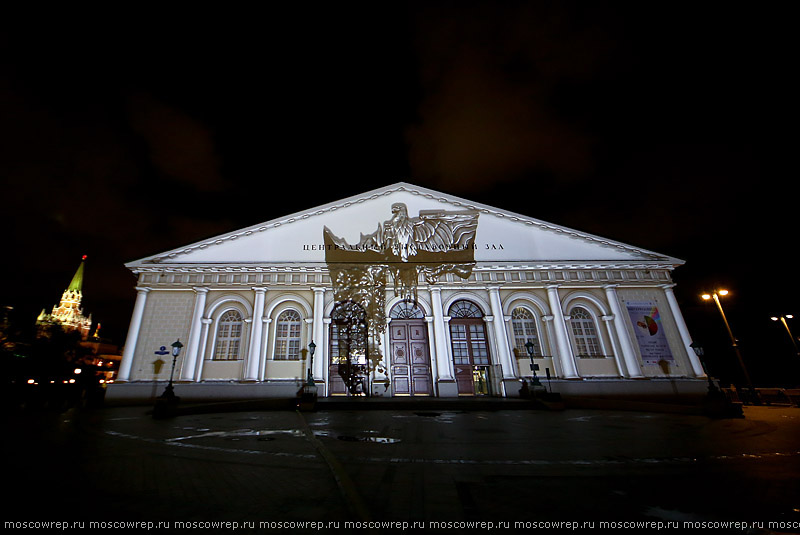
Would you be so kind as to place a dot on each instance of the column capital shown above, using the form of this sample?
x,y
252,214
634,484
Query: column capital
x,y
434,289
607,318
552,286
493,288
200,289
611,286
668,286
143,289
259,290
318,289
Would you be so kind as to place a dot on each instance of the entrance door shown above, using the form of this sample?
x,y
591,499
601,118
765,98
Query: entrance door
x,y
470,349
411,363
347,374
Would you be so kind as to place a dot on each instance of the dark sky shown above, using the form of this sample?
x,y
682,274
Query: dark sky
x,y
672,127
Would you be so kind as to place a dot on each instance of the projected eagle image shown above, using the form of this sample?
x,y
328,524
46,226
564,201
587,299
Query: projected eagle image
x,y
405,247
434,236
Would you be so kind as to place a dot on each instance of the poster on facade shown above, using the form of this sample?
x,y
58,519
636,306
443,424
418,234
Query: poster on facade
x,y
649,331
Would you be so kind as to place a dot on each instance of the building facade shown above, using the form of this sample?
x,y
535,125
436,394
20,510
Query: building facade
x,y
405,291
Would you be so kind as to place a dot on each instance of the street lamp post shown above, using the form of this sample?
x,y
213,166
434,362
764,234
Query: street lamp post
x,y
311,348
169,392
529,346
715,296
308,393
783,319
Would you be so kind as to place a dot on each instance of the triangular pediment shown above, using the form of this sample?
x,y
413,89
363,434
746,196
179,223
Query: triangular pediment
x,y
500,236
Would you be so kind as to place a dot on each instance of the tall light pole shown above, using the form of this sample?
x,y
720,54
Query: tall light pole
x,y
311,348
783,319
715,296
530,347
169,392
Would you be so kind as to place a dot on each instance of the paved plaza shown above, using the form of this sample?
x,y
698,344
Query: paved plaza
x,y
414,465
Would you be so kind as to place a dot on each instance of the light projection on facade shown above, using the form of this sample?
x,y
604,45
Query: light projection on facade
x,y
404,248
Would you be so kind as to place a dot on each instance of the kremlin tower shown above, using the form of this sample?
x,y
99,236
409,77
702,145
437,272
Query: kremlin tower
x,y
68,312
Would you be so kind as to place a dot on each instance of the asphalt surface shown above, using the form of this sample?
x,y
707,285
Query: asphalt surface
x,y
368,466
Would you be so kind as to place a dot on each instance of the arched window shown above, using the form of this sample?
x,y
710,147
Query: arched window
x,y
465,309
229,336
406,310
584,333
523,324
287,336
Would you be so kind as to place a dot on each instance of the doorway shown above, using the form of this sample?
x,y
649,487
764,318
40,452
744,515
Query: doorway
x,y
410,360
471,360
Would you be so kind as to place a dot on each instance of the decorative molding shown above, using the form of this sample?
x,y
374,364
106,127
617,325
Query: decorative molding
x,y
414,190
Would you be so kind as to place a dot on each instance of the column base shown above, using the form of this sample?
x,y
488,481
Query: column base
x,y
447,388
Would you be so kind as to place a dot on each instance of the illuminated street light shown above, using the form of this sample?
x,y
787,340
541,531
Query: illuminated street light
x,y
311,348
783,319
715,296
530,347
169,392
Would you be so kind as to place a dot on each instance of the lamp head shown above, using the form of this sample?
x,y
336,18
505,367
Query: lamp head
x,y
529,347
312,347
176,348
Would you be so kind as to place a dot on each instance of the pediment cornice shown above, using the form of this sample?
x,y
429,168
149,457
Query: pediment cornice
x,y
174,255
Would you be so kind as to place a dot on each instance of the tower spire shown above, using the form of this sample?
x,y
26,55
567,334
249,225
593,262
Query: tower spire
x,y
77,281
69,313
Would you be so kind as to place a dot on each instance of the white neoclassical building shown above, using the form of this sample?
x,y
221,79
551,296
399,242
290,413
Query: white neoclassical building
x,y
451,298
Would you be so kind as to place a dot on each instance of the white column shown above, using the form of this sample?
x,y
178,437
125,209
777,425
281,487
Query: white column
x,y
201,355
323,362
133,335
192,347
443,364
697,366
431,343
318,336
254,354
501,338
262,370
552,347
608,320
565,355
626,345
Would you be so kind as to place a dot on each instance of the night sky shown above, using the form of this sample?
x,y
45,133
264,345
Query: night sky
x,y
668,126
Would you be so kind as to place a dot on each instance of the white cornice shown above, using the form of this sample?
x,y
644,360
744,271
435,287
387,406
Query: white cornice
x,y
323,268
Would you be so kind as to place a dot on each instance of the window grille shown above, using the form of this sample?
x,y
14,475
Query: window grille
x,y
523,324
465,309
287,336
229,336
406,310
584,334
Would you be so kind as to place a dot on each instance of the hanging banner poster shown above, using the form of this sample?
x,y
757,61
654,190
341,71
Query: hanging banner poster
x,y
649,331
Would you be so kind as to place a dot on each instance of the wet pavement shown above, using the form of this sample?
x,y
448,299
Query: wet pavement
x,y
423,465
